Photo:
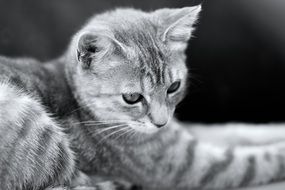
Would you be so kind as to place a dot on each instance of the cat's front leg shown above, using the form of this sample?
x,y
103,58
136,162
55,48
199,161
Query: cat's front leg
x,y
184,162
225,167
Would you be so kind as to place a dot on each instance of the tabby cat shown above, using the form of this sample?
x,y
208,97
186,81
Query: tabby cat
x,y
101,116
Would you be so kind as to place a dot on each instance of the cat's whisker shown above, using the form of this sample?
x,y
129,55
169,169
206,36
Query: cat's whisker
x,y
133,134
128,130
107,122
97,123
103,130
97,132
102,124
108,128
109,135
120,120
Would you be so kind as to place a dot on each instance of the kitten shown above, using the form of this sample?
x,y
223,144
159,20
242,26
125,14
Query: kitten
x,y
104,112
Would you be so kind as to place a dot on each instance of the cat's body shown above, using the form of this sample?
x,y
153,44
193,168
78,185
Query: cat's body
x,y
68,116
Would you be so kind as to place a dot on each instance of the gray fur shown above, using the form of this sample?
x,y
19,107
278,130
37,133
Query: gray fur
x,y
250,172
184,168
218,167
58,119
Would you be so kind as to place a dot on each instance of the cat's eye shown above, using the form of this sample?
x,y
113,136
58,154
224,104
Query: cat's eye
x,y
173,87
132,98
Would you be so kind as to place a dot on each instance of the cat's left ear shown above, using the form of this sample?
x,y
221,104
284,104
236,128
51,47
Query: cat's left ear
x,y
176,25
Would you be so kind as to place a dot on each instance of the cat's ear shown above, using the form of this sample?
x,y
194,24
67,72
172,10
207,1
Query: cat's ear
x,y
91,46
94,46
176,25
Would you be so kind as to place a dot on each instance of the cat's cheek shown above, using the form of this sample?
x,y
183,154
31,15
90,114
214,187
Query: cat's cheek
x,y
175,100
109,114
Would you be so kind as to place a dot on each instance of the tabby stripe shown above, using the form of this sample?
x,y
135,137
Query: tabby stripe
x,y
163,72
126,163
162,61
149,75
158,156
170,76
187,165
44,143
60,163
168,145
44,140
250,172
142,64
267,157
172,142
142,83
63,158
158,74
21,135
217,168
281,167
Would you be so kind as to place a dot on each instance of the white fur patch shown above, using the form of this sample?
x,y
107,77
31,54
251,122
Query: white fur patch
x,y
14,103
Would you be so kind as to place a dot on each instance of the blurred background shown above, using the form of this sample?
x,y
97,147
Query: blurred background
x,y
236,58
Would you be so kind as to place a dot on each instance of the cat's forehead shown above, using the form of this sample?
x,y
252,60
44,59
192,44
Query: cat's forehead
x,y
145,50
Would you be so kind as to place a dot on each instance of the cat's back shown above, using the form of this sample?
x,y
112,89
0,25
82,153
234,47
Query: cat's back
x,y
45,81
22,72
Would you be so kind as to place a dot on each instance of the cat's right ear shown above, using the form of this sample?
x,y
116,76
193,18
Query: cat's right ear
x,y
91,47
176,25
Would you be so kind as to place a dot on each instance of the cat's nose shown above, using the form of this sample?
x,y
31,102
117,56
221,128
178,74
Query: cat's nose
x,y
158,114
159,118
160,125
159,122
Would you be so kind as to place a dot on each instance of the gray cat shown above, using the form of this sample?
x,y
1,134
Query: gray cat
x,y
101,116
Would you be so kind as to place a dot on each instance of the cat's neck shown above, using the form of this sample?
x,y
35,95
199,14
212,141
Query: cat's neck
x,y
59,97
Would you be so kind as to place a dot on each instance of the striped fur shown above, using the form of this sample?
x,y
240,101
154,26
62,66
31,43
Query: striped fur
x,y
34,151
129,58
64,124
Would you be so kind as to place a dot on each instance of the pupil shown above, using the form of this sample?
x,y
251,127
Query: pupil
x,y
133,97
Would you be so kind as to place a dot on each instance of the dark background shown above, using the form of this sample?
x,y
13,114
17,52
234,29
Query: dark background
x,y
236,58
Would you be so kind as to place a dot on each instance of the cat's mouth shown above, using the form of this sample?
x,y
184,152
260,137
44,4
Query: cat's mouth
x,y
121,130
147,127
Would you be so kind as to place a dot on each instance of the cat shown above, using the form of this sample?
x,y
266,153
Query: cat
x,y
101,115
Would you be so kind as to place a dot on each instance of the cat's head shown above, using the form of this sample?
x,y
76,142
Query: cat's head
x,y
130,65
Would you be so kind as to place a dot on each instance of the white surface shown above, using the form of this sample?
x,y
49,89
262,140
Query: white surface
x,y
275,186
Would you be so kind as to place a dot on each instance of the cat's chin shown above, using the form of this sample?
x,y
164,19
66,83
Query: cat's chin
x,y
146,129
